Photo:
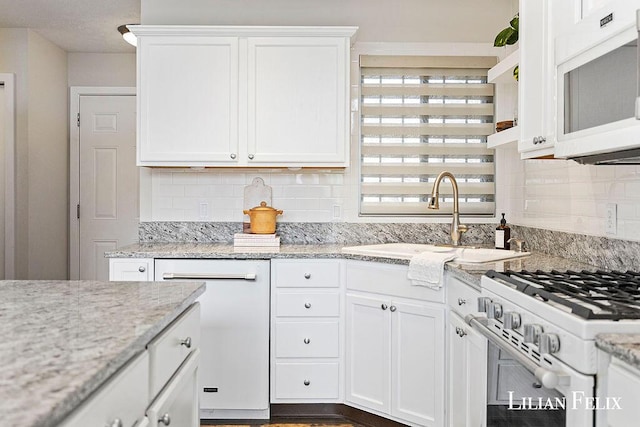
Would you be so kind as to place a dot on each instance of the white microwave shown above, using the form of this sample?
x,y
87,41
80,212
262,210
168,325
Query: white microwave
x,y
598,81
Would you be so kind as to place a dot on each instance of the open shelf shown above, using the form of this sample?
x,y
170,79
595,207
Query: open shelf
x,y
502,72
505,137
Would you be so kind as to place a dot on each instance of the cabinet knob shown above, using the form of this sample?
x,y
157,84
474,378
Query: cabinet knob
x,y
384,306
141,269
117,422
392,308
307,275
233,156
306,382
307,305
250,156
535,140
307,340
165,419
460,332
186,342
462,301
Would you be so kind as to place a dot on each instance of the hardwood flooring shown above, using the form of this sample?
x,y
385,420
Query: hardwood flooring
x,y
305,423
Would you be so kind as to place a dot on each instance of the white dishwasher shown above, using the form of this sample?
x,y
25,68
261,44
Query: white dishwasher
x,y
233,376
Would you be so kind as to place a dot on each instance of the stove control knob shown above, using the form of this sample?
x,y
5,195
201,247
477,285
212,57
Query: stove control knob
x,y
532,333
549,343
511,320
483,303
494,311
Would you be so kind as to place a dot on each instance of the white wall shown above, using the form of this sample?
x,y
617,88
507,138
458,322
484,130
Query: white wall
x,y
102,69
41,152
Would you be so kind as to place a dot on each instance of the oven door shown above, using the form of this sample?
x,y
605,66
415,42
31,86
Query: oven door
x,y
575,391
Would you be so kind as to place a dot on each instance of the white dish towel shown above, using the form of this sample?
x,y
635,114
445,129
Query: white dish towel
x,y
427,268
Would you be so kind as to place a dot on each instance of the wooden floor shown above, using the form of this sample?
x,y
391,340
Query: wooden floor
x,y
314,423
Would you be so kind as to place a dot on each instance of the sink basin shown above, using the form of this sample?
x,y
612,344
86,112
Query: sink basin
x,y
463,254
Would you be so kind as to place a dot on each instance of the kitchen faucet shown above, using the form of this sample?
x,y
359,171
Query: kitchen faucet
x,y
456,228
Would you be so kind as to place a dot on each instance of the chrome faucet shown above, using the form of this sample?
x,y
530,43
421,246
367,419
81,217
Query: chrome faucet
x,y
456,228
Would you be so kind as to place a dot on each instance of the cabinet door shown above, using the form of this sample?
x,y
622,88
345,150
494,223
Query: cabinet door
x,y
127,269
298,96
368,352
187,100
417,362
536,72
177,403
467,375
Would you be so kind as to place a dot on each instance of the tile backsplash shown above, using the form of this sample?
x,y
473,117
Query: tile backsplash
x,y
559,195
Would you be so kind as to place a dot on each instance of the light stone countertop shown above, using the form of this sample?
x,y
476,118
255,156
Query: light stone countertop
x,y
471,273
625,347
61,340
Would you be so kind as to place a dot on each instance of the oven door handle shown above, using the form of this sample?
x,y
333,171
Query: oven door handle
x,y
547,377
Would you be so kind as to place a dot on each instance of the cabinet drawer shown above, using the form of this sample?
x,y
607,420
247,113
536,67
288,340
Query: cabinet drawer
x,y
137,269
170,348
462,298
306,273
307,380
124,397
307,304
307,339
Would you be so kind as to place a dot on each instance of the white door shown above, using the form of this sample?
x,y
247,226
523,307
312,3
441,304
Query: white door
x,y
109,180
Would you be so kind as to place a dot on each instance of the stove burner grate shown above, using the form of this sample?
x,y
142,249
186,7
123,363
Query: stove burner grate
x,y
612,295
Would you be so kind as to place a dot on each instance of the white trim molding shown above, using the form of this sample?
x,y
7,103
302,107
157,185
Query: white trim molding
x,y
8,81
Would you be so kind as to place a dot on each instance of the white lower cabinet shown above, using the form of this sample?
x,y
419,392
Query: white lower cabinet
x,y
124,398
306,332
131,269
467,375
175,403
467,359
395,347
623,384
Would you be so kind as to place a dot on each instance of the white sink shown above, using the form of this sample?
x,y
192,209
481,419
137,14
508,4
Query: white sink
x,y
408,250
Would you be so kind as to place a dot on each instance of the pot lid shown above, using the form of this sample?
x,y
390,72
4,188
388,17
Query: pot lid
x,y
263,207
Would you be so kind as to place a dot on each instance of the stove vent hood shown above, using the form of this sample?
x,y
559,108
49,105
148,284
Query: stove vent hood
x,y
624,157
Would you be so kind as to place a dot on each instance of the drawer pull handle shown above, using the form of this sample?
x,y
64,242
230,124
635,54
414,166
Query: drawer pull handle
x,y
306,382
384,306
461,301
186,342
307,341
141,269
307,275
165,419
117,422
307,305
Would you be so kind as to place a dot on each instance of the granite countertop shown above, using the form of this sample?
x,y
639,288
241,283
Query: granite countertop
x,y
625,347
63,339
470,273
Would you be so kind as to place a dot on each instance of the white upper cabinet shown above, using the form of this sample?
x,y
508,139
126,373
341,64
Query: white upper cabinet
x,y
243,96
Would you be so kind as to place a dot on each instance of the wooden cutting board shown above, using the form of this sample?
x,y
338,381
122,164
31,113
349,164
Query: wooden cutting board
x,y
255,193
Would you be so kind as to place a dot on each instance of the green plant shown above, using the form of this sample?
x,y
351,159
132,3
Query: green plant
x,y
509,36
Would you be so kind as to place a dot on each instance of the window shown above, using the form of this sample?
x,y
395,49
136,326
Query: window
x,y
421,115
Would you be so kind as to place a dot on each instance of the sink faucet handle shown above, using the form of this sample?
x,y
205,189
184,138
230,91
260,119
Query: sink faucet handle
x,y
519,244
463,228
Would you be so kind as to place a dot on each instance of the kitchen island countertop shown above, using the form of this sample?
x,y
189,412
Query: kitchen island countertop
x,y
63,339
625,347
470,273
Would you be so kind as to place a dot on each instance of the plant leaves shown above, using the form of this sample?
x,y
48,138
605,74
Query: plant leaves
x,y
515,23
516,72
504,37
513,38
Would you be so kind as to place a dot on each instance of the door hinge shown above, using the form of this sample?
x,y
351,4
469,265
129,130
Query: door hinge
x,y
78,210
78,121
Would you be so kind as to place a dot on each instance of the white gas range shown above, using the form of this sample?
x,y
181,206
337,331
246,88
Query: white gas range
x,y
548,322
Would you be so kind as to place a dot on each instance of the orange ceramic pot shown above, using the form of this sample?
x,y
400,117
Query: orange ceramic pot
x,y
263,218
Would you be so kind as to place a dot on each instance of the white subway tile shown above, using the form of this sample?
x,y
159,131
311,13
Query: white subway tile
x,y
170,190
184,178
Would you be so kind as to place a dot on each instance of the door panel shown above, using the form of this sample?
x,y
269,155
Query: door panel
x,y
109,180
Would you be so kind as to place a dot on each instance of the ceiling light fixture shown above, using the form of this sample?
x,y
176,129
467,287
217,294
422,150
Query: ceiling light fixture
x,y
127,35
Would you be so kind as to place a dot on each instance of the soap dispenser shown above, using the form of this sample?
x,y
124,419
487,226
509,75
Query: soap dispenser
x,y
503,234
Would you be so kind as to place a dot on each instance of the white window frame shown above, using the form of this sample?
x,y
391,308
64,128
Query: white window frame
x,y
354,175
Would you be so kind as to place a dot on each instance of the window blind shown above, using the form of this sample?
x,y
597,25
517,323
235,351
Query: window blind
x,y
421,115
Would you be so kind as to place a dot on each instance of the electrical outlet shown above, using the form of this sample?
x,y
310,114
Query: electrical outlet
x,y
611,219
204,210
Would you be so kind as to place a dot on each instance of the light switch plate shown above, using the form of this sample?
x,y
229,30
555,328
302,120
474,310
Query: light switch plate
x,y
611,219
